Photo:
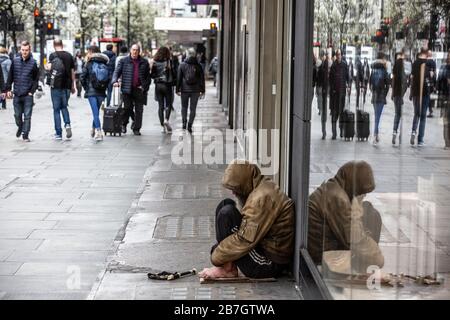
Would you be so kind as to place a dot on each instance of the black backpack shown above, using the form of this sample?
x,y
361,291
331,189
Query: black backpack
x,y
58,71
191,74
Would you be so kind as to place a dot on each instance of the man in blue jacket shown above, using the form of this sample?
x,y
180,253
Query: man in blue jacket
x,y
133,76
24,74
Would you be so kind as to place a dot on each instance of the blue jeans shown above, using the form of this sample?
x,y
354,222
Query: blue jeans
x,y
420,115
60,100
398,102
96,103
23,109
378,107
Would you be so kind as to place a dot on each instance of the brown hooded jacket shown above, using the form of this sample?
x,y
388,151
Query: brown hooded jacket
x,y
334,223
268,217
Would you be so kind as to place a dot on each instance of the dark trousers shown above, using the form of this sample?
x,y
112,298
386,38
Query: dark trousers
x,y
253,265
324,112
23,109
337,108
134,108
189,100
4,103
164,93
420,116
398,102
358,94
78,84
446,116
109,97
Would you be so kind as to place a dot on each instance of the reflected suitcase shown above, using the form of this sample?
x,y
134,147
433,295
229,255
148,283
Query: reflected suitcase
x,y
362,125
348,125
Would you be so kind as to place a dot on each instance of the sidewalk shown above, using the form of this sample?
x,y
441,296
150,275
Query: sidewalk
x,y
171,228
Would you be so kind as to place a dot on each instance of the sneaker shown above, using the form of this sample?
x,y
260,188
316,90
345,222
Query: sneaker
x,y
413,139
163,130
19,132
430,115
167,126
98,135
68,132
377,138
190,129
124,129
184,126
421,144
26,138
137,133
57,137
92,133
394,139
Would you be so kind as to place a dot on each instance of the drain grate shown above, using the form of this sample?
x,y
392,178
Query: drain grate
x,y
184,228
194,192
387,237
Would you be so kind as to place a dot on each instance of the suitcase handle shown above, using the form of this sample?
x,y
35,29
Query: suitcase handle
x,y
116,97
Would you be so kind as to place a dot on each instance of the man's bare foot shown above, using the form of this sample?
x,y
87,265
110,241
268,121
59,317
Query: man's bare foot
x,y
217,273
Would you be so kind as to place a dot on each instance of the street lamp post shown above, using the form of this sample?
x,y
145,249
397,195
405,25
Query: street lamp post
x,y
128,24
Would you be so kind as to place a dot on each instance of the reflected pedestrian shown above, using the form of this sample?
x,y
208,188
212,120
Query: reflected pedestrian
x,y
443,85
190,86
399,87
379,86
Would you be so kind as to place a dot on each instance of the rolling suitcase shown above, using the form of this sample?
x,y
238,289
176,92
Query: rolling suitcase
x,y
362,125
348,125
113,115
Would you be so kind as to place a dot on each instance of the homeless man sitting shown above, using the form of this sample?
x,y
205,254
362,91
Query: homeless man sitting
x,y
339,220
259,240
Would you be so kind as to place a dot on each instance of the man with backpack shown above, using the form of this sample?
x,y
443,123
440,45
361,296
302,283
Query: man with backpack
x,y
61,78
399,87
420,96
133,76
112,67
379,85
190,86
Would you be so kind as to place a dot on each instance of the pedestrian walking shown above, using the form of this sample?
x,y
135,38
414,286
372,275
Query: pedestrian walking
x,y
5,65
322,90
379,86
339,83
164,76
443,86
420,97
351,77
431,81
24,75
214,69
123,54
190,86
95,81
399,87
112,67
314,80
2,87
61,78
133,76
366,72
79,65
359,81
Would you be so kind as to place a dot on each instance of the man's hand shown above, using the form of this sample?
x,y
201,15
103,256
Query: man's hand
x,y
9,95
117,85
30,94
179,94
48,67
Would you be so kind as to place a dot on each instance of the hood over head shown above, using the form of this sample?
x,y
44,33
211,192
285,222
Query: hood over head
x,y
356,178
192,60
242,177
378,64
99,57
